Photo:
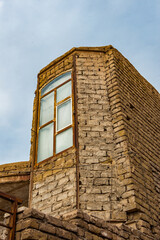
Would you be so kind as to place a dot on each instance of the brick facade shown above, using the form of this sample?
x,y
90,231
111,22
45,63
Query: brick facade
x,y
113,172
113,169
139,109
54,181
33,224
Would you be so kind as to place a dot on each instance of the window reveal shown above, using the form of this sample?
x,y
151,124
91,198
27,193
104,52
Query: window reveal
x,y
55,120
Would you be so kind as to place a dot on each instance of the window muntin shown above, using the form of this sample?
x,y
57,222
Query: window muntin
x,y
55,119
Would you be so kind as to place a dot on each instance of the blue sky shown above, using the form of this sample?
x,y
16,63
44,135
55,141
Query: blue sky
x,y
35,32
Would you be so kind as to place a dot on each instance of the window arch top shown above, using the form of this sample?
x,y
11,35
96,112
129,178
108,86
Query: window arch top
x,y
56,82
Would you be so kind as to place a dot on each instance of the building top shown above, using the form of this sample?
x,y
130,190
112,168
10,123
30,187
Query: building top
x,y
74,49
103,49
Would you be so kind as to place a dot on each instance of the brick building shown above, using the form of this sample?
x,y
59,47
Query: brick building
x,y
95,143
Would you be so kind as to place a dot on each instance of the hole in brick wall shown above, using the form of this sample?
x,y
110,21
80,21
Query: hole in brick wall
x,y
105,129
84,147
131,106
152,228
128,118
99,69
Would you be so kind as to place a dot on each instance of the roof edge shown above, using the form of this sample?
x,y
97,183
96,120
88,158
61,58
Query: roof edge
x,y
14,164
74,49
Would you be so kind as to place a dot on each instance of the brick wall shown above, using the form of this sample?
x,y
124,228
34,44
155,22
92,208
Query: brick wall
x,y
54,190
14,171
99,188
117,173
138,107
54,181
126,188
33,224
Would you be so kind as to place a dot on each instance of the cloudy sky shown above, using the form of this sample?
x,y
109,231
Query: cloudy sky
x,y
35,32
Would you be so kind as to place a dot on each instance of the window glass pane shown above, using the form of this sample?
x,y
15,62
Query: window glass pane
x,y
64,140
45,142
47,108
56,82
64,91
64,115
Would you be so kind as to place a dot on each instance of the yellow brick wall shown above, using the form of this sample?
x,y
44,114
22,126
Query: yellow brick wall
x,y
54,180
100,191
139,108
118,135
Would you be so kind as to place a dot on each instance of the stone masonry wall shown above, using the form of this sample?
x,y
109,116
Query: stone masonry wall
x,y
54,180
118,137
33,224
138,110
14,171
121,150
100,191
54,190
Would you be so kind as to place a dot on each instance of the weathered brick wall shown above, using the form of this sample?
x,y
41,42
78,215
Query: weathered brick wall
x,y
14,178
54,181
118,137
14,170
54,190
3,233
137,114
99,190
33,224
121,150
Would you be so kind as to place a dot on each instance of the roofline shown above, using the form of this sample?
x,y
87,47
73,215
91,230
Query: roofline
x,y
103,49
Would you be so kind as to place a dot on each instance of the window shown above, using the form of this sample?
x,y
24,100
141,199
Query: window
x,y
56,118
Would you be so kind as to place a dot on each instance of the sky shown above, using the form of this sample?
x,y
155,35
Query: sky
x,y
35,32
